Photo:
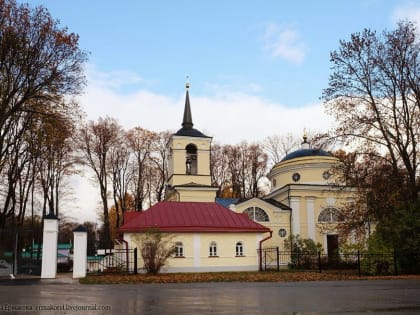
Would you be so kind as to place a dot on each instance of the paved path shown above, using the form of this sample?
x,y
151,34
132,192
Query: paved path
x,y
66,296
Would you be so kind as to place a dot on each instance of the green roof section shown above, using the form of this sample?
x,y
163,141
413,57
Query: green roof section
x,y
59,246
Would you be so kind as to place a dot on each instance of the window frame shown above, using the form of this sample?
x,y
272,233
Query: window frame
x,y
239,249
254,212
333,214
213,249
282,232
179,250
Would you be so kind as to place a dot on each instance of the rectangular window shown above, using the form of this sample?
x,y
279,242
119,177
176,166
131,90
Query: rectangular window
x,y
213,249
179,249
239,249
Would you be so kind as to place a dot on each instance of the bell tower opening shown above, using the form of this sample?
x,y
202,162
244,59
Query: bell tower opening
x,y
191,159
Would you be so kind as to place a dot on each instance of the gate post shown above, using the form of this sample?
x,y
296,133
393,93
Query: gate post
x,y
49,247
135,261
319,262
79,252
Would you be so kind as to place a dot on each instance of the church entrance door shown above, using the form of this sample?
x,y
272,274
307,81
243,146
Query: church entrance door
x,y
332,245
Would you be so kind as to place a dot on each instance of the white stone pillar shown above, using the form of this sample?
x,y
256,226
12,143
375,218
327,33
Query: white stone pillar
x,y
197,250
49,247
295,205
79,252
310,215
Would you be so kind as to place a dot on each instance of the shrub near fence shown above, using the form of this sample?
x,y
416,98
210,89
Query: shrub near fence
x,y
367,264
357,263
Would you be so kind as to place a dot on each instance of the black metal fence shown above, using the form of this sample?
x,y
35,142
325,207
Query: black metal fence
x,y
269,258
18,255
113,261
356,263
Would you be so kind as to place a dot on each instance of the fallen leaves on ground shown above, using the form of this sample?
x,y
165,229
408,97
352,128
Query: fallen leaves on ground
x,y
277,276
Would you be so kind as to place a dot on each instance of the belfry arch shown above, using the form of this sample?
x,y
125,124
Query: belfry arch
x,y
191,159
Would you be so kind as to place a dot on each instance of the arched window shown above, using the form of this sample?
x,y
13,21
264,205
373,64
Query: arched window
x,y
213,249
329,215
179,249
257,214
239,248
191,159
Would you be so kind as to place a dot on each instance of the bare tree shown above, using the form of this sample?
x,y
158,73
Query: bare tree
x,y
237,169
39,61
96,141
234,163
120,176
140,142
55,134
256,164
219,170
19,178
158,158
374,96
18,168
278,146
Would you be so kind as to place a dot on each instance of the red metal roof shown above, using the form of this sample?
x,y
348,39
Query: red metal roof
x,y
171,216
128,215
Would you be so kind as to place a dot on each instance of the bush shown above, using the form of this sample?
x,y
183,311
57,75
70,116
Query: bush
x,y
304,252
156,248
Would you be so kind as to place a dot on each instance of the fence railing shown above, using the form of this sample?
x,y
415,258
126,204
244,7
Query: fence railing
x,y
357,262
113,261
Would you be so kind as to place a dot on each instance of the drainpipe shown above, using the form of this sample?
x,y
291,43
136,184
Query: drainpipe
x,y
260,249
291,210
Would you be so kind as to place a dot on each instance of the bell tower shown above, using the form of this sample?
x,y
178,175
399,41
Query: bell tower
x,y
189,150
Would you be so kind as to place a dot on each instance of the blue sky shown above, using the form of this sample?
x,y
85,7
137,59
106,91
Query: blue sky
x,y
257,68
275,53
221,44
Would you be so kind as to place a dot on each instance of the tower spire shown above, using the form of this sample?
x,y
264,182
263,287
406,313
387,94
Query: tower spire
x,y
187,120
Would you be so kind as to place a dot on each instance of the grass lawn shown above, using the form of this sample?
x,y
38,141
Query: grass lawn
x,y
274,276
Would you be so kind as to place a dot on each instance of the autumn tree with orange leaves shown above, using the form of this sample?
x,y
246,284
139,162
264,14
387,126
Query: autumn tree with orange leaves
x,y
41,68
374,96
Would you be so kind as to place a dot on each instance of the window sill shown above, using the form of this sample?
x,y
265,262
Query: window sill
x,y
240,256
179,256
213,256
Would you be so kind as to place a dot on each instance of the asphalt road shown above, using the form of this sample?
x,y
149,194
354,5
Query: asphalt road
x,y
66,296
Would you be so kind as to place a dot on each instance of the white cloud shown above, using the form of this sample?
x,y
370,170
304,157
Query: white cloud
x,y
226,83
284,42
228,116
84,203
409,12
113,79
